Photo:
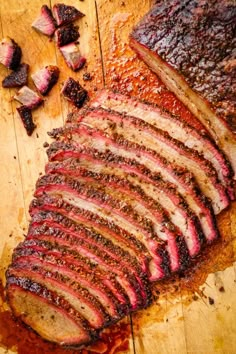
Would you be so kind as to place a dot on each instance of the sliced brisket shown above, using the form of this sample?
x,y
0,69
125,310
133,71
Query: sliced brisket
x,y
194,137
128,198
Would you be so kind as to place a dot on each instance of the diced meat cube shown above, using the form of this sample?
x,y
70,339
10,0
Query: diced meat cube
x,y
46,78
66,35
28,97
17,78
10,53
64,14
45,22
26,117
74,92
72,56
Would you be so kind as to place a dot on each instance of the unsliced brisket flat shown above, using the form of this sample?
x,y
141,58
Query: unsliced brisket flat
x,y
191,45
124,202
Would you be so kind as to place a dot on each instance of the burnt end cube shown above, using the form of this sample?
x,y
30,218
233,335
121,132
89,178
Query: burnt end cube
x,y
65,14
74,92
66,35
17,78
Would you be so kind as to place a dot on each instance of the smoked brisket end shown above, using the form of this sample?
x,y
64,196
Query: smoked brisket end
x,y
196,38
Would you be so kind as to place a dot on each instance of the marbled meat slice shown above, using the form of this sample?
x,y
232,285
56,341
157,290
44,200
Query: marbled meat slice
x,y
190,44
159,192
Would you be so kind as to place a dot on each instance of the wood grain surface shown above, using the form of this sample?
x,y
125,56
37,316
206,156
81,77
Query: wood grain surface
x,y
186,320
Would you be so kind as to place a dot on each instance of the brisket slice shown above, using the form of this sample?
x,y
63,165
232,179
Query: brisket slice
x,y
80,234
149,171
194,137
114,125
162,196
78,241
48,313
109,229
191,46
46,275
121,212
104,285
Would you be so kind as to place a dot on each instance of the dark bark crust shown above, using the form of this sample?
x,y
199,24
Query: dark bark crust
x,y
198,39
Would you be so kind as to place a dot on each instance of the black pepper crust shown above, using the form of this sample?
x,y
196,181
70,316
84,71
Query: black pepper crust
x,y
198,39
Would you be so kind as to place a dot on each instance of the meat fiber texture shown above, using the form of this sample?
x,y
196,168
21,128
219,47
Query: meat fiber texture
x,y
190,44
115,212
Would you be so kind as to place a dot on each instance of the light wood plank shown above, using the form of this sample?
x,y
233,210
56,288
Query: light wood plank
x,y
210,321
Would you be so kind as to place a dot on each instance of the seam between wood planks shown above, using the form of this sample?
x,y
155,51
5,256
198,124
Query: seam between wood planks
x,y
100,45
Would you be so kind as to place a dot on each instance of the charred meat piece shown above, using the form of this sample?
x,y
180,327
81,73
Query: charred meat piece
x,y
72,56
17,78
191,46
74,92
45,23
66,35
26,117
64,14
10,53
46,78
28,97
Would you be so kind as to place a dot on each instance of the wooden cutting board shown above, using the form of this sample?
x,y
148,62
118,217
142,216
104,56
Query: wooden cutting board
x,y
188,319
